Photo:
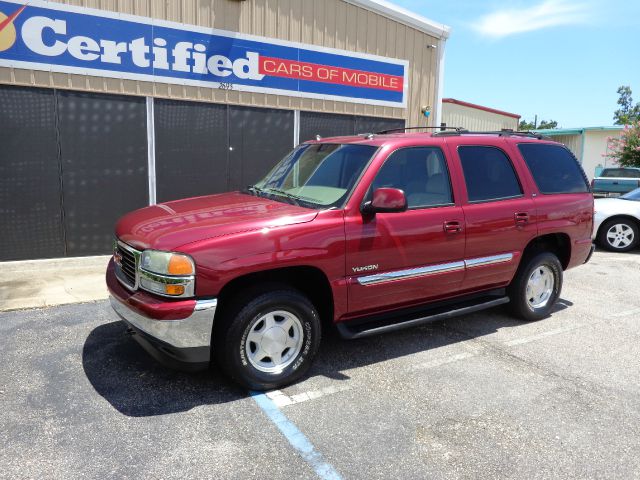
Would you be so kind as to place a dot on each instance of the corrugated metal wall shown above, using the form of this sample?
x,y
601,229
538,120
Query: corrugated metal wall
x,y
573,143
328,23
455,115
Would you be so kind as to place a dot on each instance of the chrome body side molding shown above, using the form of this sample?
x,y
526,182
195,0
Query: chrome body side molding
x,y
411,273
434,269
493,259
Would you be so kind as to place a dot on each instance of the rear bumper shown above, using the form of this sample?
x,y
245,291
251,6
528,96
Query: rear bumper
x,y
176,333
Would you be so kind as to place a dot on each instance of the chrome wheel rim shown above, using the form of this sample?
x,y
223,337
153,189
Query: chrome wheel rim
x,y
274,341
620,235
540,286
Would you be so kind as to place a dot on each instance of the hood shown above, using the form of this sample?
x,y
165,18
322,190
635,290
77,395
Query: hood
x,y
167,226
617,206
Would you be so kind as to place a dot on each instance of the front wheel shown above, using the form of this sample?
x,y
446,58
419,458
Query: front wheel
x,y
267,338
536,287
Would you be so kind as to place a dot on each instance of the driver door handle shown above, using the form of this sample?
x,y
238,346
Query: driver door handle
x,y
521,218
452,226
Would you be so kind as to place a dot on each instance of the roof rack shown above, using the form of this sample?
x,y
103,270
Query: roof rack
x,y
391,130
506,132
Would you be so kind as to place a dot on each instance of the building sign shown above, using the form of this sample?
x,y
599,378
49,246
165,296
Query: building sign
x,y
61,38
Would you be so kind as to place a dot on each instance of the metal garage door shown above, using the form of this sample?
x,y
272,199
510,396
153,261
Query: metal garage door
x,y
30,197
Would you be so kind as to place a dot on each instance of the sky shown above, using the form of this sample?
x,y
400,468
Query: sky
x,y
560,59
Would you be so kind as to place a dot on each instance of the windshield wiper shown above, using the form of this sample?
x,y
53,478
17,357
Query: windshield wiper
x,y
255,189
284,193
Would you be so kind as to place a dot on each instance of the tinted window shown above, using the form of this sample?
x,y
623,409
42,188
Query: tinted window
x,y
421,172
554,168
488,174
620,173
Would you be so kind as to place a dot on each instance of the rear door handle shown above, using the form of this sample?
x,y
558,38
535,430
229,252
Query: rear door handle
x,y
452,227
521,218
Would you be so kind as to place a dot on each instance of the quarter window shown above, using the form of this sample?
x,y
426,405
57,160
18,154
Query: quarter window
x,y
554,168
488,174
421,173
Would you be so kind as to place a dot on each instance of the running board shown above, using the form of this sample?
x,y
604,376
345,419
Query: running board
x,y
443,313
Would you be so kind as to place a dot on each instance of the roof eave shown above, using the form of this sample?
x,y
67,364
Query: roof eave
x,y
399,14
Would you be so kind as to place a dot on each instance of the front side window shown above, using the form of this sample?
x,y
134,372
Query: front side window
x,y
554,168
488,174
317,175
421,173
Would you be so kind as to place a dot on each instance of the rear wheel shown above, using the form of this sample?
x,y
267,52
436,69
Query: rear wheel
x,y
536,287
619,235
267,337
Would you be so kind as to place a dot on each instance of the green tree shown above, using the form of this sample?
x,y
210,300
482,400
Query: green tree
x,y
625,149
524,125
628,112
544,124
547,125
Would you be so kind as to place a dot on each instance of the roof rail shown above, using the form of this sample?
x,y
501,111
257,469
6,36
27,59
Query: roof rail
x,y
391,130
506,132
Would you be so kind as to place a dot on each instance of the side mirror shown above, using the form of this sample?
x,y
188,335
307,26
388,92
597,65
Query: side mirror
x,y
386,200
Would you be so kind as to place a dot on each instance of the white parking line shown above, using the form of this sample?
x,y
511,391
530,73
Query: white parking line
x,y
539,336
283,400
442,361
626,313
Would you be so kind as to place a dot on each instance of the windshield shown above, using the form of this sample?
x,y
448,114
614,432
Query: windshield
x,y
317,175
632,195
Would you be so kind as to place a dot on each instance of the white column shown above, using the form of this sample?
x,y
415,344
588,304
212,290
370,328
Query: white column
x,y
437,114
151,151
296,127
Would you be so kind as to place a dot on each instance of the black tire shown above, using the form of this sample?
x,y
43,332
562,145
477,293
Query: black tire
x,y
520,304
627,225
241,316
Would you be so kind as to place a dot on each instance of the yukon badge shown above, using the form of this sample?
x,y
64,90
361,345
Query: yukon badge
x,y
366,268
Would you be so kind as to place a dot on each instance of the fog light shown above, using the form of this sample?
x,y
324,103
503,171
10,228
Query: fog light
x,y
174,289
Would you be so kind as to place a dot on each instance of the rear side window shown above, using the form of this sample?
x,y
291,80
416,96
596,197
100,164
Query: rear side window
x,y
488,173
620,173
554,168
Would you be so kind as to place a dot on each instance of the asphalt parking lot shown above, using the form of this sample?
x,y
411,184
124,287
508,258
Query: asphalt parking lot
x,y
482,396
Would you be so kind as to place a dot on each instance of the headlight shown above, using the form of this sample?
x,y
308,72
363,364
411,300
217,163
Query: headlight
x,y
167,273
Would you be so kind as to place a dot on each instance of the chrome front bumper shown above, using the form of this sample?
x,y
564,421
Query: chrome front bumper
x,y
191,332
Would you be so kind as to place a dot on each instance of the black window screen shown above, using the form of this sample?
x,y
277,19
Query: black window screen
x,y
325,125
30,197
260,138
554,168
374,124
488,174
191,149
103,145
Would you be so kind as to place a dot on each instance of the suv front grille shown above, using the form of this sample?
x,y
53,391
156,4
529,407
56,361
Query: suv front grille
x,y
127,265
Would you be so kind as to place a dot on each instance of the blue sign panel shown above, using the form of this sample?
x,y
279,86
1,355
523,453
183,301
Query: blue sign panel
x,y
62,38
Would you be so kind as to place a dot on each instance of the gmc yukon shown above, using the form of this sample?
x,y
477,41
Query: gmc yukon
x,y
370,233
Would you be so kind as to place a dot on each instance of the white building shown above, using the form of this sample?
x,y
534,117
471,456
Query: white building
x,y
456,113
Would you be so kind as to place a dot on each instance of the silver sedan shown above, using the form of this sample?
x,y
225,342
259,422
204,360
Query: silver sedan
x,y
617,222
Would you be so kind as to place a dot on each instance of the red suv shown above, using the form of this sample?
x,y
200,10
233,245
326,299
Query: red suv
x,y
371,233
